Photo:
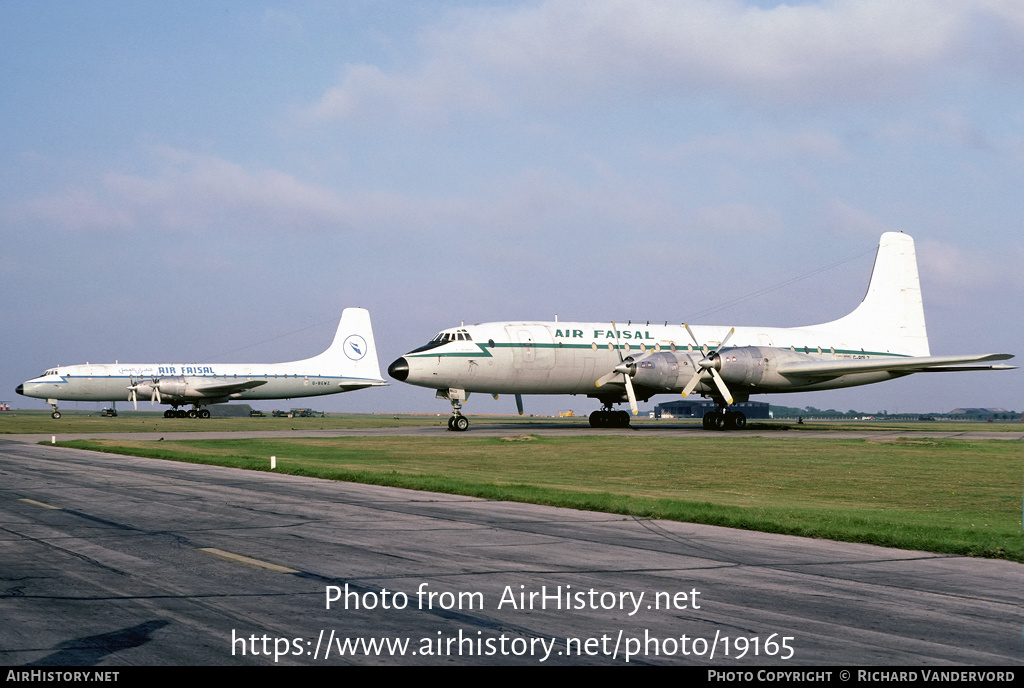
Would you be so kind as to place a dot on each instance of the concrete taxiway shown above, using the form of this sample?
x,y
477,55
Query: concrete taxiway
x,y
111,560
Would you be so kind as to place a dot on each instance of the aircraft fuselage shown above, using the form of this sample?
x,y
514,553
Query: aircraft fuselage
x,y
883,338
349,363
110,382
570,357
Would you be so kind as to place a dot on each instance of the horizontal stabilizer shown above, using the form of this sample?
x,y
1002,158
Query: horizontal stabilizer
x,y
908,364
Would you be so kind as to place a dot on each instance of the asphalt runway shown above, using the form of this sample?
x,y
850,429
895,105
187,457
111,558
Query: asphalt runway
x,y
110,560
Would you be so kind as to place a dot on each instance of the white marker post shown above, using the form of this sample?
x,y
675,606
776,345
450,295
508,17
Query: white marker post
x,y
273,462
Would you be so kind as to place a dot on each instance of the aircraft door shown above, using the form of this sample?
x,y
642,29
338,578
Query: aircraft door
x,y
534,350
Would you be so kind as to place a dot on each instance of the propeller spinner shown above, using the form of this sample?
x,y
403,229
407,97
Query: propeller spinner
x,y
709,365
626,368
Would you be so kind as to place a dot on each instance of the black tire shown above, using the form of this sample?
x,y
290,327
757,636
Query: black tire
x,y
461,423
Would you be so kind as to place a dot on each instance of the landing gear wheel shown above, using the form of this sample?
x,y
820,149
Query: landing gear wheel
x,y
609,419
193,413
55,415
168,413
724,420
460,423
451,422
204,413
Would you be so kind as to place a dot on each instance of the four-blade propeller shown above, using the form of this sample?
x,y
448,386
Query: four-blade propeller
x,y
709,366
152,384
626,368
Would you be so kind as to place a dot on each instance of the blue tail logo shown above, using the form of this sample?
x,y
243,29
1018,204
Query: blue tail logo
x,y
355,347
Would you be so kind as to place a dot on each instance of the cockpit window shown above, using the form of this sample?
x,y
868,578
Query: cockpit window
x,y
442,338
457,336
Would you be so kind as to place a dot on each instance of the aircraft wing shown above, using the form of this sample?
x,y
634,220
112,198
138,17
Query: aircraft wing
x,y
229,387
905,364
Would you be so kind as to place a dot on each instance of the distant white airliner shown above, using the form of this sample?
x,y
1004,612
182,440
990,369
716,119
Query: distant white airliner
x,y
349,364
882,339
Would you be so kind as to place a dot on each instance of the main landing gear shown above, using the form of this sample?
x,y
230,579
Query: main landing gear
x,y
724,420
194,412
606,418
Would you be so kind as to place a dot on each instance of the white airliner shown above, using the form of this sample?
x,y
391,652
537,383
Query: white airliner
x,y
349,364
882,339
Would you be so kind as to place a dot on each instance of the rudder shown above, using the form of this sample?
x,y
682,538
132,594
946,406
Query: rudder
x,y
891,316
353,353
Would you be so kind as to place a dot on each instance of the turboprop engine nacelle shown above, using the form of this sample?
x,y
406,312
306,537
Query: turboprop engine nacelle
x,y
740,367
175,387
665,371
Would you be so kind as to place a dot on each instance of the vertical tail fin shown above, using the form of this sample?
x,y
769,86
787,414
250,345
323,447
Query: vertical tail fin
x,y
891,316
353,352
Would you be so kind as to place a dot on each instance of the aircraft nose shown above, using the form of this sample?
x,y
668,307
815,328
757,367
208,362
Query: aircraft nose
x,y
399,369
20,389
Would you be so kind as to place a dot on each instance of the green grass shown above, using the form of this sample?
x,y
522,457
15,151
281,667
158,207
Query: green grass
x,y
74,421
955,496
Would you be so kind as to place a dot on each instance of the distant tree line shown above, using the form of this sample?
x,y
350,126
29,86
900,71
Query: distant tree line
x,y
957,414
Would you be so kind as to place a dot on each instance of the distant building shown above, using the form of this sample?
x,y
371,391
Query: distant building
x,y
698,407
230,410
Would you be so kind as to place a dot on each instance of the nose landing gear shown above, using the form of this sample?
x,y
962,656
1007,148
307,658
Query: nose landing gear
x,y
458,422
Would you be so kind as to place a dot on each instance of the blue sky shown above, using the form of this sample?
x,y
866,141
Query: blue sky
x,y
215,181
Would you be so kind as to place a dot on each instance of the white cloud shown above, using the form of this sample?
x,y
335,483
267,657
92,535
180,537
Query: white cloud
x,y
959,276
73,209
559,50
191,193
842,219
765,143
